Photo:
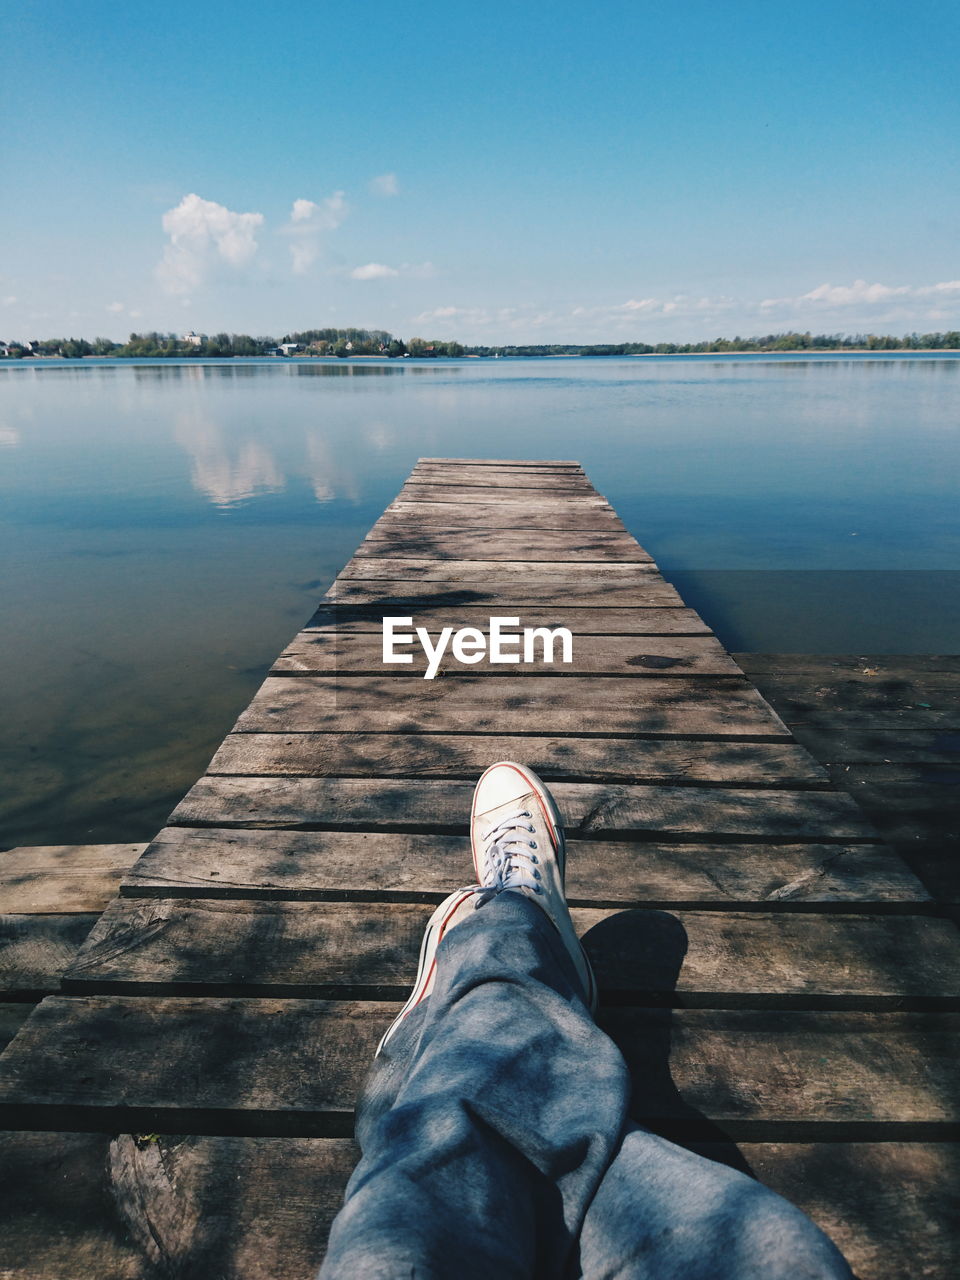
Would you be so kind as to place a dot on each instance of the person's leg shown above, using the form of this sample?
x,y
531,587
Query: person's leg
x,y
664,1213
494,1125
490,1116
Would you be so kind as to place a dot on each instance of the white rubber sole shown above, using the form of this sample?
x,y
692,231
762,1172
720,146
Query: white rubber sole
x,y
436,927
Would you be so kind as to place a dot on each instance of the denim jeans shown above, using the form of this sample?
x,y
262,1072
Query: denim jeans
x,y
496,1143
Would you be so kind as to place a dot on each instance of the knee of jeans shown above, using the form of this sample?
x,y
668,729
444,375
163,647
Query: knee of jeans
x,y
779,1242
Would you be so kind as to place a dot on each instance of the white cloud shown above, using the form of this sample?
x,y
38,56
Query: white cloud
x,y
323,216
621,317
640,304
309,219
201,231
685,317
373,271
115,306
443,313
495,319
380,271
860,294
385,185
851,295
9,300
302,209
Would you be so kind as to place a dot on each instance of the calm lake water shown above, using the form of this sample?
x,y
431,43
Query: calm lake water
x,y
167,527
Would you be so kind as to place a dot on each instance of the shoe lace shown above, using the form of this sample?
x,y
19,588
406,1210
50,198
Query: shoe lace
x,y
508,858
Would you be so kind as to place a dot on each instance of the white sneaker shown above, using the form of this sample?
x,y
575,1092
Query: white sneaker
x,y
517,837
449,912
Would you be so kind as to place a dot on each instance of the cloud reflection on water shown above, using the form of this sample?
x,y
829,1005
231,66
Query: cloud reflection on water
x,y
226,471
232,467
329,476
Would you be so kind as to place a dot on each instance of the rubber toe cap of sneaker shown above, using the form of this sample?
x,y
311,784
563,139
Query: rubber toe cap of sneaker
x,y
501,784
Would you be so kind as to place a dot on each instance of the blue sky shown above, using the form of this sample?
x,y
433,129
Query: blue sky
x,y
504,173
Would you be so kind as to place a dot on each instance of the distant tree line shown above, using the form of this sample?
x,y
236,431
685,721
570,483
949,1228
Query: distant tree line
x,y
310,342
770,342
378,342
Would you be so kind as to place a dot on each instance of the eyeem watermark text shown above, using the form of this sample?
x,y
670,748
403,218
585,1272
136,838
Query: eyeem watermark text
x,y
470,645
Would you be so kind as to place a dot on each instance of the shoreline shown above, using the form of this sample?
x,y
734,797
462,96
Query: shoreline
x,y
894,354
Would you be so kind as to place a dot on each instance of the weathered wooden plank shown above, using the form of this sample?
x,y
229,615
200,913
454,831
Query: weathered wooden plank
x,y
916,807
920,818
538,464
863,702
35,949
500,478
498,464
506,594
334,865
530,545
249,1208
528,480
651,621
916,789
590,810
809,1075
63,878
458,467
932,858
912,721
877,746
666,762
257,1208
621,573
60,1217
527,497
294,1067
680,707
368,950
190,1065
13,1015
420,515
855,1192
494,481
513,504
233,1208
834,668
315,653
498,473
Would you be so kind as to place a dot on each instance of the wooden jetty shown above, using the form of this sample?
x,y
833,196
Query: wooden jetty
x,y
776,976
